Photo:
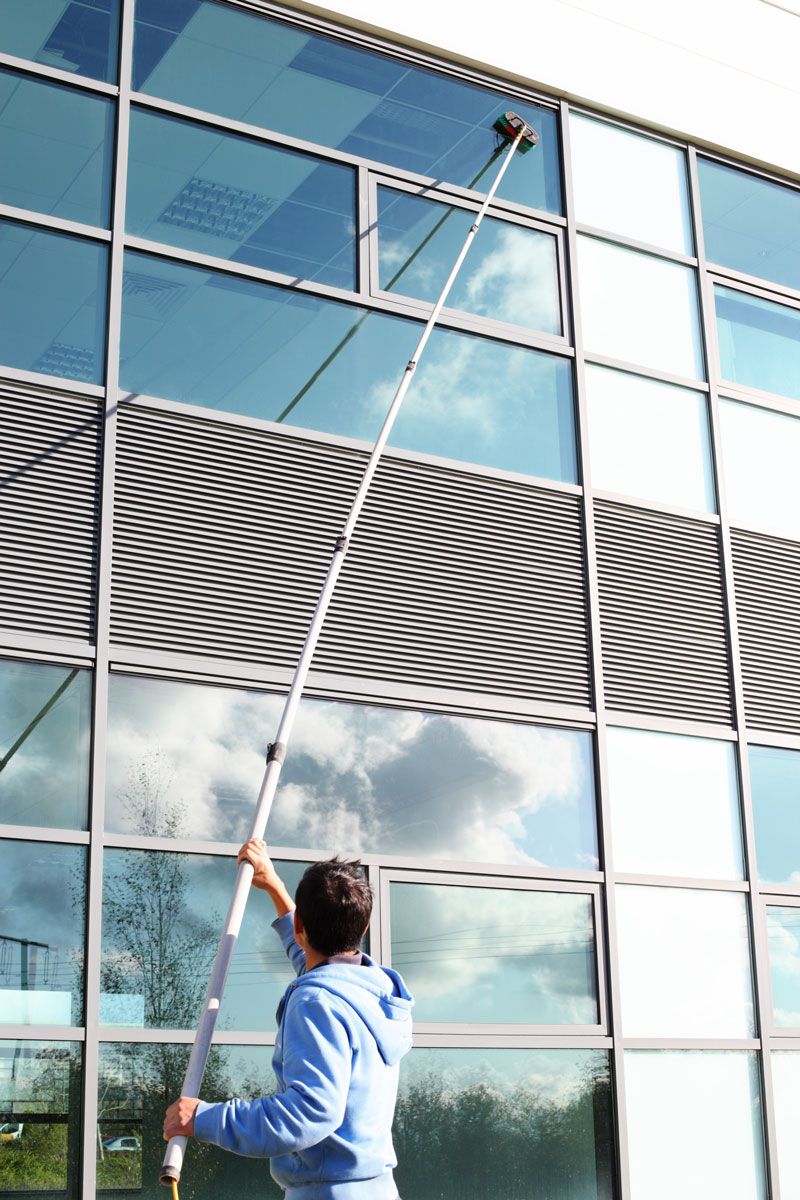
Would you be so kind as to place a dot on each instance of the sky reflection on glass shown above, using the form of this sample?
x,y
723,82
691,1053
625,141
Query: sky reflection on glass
x,y
45,711
493,955
41,983
232,197
783,932
510,274
71,35
759,342
359,779
206,338
162,916
705,1106
761,450
786,1092
212,57
775,787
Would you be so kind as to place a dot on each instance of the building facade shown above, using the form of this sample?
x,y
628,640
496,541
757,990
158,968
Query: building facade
x,y
556,706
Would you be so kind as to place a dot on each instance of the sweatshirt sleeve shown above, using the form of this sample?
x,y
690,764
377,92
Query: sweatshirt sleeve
x,y
316,1068
284,927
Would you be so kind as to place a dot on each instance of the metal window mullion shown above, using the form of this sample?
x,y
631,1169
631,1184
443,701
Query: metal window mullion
x,y
756,909
53,75
622,1164
91,1063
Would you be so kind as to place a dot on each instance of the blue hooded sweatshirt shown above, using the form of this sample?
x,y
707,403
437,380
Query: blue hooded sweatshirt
x,y
342,1030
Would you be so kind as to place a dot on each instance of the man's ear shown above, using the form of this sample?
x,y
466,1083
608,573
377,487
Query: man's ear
x,y
297,925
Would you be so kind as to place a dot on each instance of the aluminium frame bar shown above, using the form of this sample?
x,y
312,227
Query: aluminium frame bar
x,y
173,1158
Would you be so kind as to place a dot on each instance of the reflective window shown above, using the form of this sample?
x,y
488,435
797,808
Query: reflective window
x,y
495,955
52,303
759,342
628,184
658,781
73,35
760,452
783,931
206,338
750,224
639,308
137,1082
786,1092
45,726
684,963
775,787
42,906
56,147
694,1125
40,1086
213,57
510,273
649,439
503,1124
235,198
359,779
162,916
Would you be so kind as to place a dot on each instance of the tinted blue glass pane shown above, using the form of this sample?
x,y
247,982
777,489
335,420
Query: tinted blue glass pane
x,y
236,198
76,35
783,932
205,338
759,342
241,65
750,224
511,273
775,783
56,147
52,303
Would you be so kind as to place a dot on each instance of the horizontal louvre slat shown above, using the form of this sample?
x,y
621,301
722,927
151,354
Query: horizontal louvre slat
x,y
664,637
767,582
49,469
223,535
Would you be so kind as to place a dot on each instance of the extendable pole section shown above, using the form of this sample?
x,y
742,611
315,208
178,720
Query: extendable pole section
x,y
520,136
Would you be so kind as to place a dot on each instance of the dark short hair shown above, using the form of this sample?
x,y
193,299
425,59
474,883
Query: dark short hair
x,y
334,902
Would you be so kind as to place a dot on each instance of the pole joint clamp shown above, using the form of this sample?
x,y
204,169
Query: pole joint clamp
x,y
474,228
276,752
412,363
341,544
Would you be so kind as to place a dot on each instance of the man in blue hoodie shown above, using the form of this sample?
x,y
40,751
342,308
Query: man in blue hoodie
x,y
343,1026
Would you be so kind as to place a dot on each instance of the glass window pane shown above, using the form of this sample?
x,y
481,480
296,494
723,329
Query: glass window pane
x,y
783,932
510,274
56,147
137,1082
235,198
40,1086
750,224
786,1091
639,308
399,782
660,785
206,338
212,57
495,955
41,933
45,727
694,1125
649,439
73,35
504,1125
775,787
629,184
52,303
684,963
759,342
162,917
761,450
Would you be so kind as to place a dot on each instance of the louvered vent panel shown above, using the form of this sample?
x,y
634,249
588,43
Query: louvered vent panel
x,y
662,616
223,535
49,470
767,580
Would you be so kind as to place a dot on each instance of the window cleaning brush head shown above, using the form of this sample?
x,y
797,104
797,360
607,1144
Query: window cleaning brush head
x,y
508,124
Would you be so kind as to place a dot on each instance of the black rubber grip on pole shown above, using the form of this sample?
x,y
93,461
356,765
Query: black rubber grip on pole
x,y
341,544
276,752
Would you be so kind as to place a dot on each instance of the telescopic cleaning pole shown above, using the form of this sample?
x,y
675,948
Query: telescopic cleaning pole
x,y
519,136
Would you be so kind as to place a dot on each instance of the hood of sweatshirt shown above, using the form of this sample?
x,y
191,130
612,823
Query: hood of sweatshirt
x,y
377,994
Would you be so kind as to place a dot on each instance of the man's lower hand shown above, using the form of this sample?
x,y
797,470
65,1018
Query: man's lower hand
x,y
179,1118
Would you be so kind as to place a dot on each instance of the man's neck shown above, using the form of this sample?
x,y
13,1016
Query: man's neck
x,y
314,959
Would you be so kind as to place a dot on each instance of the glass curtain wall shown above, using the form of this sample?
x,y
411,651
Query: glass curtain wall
x,y
268,250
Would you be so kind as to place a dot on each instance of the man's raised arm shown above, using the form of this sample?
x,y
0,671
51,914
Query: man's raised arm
x,y
268,880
